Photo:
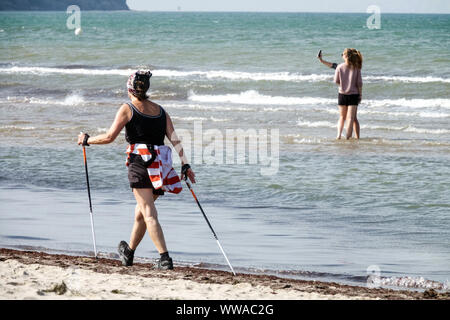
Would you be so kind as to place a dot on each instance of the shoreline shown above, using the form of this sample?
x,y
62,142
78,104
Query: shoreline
x,y
37,275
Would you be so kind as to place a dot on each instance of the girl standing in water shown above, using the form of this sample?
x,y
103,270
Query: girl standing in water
x,y
348,77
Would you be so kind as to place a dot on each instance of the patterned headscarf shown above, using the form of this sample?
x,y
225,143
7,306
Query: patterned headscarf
x,y
139,82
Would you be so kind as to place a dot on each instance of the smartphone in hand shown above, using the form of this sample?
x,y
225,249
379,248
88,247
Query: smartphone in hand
x,y
319,55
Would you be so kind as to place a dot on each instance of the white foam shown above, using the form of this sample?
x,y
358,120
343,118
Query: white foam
x,y
218,119
213,119
385,128
71,100
412,282
22,128
190,118
316,124
222,74
426,79
75,71
307,141
207,107
423,130
238,75
434,115
277,109
409,103
408,128
253,97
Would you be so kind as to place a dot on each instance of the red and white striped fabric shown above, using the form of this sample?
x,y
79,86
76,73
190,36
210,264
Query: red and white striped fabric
x,y
161,173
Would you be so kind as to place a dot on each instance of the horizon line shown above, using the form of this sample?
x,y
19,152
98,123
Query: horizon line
x,y
237,11
246,11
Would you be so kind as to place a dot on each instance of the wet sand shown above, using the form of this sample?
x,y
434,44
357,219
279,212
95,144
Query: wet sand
x,y
38,275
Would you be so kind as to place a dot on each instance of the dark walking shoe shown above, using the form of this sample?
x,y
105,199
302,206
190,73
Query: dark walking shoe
x,y
126,254
165,264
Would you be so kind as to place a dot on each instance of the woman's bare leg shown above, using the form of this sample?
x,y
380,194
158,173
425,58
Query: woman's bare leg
x,y
145,201
341,121
356,127
351,115
139,227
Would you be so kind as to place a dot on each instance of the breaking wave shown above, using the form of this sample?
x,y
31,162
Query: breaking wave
x,y
217,74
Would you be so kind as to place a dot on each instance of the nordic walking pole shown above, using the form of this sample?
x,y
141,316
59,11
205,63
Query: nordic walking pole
x,y
90,202
207,221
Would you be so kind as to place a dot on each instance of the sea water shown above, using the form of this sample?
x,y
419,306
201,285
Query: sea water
x,y
332,210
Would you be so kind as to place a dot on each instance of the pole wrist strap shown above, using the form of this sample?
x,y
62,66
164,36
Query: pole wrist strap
x,y
185,168
86,137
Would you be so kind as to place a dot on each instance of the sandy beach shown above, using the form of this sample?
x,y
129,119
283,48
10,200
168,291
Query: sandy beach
x,y
38,275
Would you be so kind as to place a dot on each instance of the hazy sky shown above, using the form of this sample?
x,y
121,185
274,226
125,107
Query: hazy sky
x,y
403,6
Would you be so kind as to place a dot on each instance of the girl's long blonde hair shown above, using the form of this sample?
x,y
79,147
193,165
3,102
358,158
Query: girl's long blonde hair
x,y
354,57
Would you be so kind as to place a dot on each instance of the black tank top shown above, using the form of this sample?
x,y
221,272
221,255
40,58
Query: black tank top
x,y
146,129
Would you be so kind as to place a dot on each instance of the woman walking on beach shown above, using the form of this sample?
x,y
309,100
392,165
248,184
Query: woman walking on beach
x,y
348,77
149,162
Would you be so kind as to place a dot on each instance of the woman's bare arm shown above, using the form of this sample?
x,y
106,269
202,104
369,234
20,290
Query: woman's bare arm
x,y
176,142
328,64
123,115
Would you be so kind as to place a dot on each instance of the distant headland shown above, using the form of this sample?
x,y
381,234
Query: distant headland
x,y
61,5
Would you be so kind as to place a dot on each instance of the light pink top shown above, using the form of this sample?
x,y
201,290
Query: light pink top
x,y
348,78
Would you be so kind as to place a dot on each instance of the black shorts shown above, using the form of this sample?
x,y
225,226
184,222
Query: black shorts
x,y
348,99
138,174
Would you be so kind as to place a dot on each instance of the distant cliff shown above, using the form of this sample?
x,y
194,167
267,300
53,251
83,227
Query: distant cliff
x,y
61,5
